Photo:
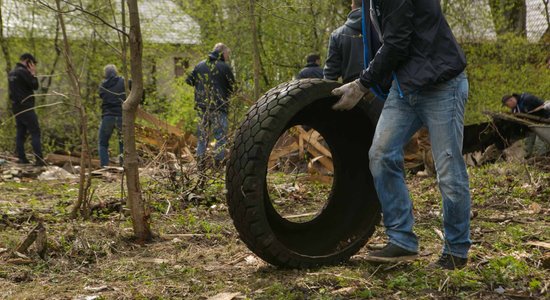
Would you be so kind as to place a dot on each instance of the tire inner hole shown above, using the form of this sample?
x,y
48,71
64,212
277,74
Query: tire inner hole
x,y
300,174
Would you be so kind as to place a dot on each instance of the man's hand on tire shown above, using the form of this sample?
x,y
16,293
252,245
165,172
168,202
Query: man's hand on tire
x,y
350,93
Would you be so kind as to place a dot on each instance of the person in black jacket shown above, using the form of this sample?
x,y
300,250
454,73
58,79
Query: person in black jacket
x,y
429,88
526,103
214,83
112,92
345,48
22,82
529,104
312,68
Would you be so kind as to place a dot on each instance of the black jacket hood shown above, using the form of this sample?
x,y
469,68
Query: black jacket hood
x,y
215,55
110,82
354,19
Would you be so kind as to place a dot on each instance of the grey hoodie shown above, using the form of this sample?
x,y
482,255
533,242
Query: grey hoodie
x,y
345,50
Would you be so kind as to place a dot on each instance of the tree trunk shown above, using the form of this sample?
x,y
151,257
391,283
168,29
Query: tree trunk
x,y
4,42
546,36
82,203
138,210
256,49
509,16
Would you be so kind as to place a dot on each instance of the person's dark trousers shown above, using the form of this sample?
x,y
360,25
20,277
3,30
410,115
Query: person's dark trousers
x,y
108,125
27,122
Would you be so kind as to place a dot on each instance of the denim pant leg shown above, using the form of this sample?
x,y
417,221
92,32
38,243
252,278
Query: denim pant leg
x,y
397,123
105,131
20,138
442,110
203,135
220,134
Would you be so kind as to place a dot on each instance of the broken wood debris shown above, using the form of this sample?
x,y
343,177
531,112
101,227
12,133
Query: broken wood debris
x,y
60,160
161,135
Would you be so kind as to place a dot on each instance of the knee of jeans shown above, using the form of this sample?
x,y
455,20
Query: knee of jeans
x,y
380,159
451,173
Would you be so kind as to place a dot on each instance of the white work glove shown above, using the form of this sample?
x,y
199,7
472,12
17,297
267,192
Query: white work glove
x,y
547,105
351,94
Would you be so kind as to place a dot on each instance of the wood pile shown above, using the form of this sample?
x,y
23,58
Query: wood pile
x,y
299,144
299,148
159,135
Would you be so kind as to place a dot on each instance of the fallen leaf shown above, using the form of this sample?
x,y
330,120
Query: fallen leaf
x,y
345,290
224,296
535,208
155,260
97,289
251,260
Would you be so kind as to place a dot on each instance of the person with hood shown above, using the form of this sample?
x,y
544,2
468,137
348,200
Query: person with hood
x,y
214,83
345,48
312,68
529,104
112,92
422,65
22,83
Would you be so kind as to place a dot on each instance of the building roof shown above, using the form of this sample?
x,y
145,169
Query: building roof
x,y
162,21
537,23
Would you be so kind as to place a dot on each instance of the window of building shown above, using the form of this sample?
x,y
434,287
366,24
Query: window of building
x,y
180,65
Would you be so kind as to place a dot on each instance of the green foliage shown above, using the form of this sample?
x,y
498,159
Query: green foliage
x,y
511,65
280,291
504,270
182,106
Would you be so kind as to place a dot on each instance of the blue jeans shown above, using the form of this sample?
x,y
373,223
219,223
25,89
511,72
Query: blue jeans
x,y
441,109
25,123
108,124
212,122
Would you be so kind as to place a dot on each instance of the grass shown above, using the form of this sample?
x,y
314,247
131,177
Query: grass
x,y
200,255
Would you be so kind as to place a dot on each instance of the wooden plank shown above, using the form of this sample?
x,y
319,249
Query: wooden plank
x,y
60,160
159,123
311,138
534,118
325,161
278,153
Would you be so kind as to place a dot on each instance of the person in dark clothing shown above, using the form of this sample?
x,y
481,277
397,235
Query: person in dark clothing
x,y
529,104
214,83
22,83
312,69
345,48
112,92
429,88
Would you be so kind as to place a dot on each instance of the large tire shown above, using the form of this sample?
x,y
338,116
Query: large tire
x,y
352,210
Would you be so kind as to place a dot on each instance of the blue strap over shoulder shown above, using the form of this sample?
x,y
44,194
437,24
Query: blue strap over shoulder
x,y
366,32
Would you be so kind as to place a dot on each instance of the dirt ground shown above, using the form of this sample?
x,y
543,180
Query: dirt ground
x,y
198,254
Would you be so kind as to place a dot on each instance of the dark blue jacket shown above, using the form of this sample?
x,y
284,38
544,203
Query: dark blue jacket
x,y
113,94
417,44
527,103
312,70
214,83
21,86
345,50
